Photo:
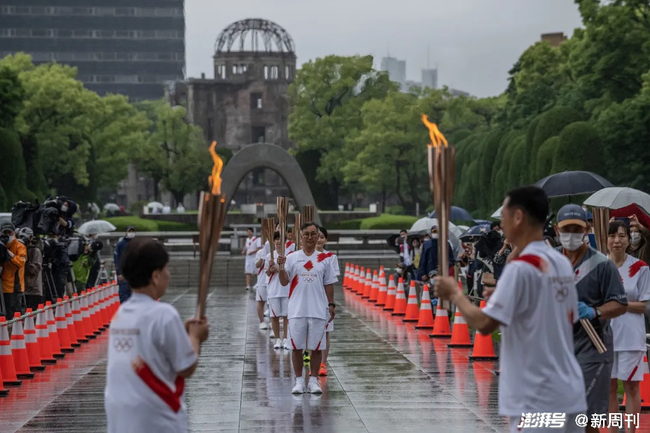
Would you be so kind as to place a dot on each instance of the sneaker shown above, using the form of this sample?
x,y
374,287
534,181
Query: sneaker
x,y
314,386
323,370
299,388
263,326
266,313
285,344
271,334
248,288
278,344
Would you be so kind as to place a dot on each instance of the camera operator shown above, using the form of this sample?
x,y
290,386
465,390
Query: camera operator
x,y
33,268
13,271
66,222
84,264
57,261
487,248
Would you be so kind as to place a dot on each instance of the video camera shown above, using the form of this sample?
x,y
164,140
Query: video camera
x,y
43,218
489,244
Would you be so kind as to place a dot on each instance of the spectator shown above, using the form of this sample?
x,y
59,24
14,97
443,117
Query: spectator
x,y
628,329
166,209
84,265
428,265
405,255
639,240
94,270
416,252
33,269
496,226
124,290
180,208
13,271
500,258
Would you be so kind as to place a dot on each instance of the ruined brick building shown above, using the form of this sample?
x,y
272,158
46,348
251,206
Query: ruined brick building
x,y
246,101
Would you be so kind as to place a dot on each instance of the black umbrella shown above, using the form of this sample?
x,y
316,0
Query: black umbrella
x,y
474,232
572,183
456,214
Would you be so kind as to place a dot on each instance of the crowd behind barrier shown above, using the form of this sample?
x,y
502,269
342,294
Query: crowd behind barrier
x,y
44,336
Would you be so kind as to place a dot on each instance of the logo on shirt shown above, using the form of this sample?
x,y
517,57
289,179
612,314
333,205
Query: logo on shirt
x,y
561,294
123,344
309,265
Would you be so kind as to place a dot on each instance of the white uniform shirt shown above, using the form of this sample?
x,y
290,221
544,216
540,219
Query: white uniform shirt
x,y
335,262
252,244
274,288
289,247
536,301
629,328
308,276
150,400
261,277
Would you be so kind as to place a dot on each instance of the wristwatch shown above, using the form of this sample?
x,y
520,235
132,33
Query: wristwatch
x,y
331,304
598,312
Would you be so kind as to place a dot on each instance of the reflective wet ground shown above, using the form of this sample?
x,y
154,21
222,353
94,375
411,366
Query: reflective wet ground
x,y
384,376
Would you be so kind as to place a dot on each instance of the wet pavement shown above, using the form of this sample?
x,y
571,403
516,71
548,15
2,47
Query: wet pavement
x,y
384,376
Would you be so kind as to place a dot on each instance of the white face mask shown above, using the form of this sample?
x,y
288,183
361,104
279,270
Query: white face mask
x,y
130,235
434,236
64,208
635,238
571,241
11,238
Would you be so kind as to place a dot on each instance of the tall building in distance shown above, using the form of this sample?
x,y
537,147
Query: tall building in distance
x,y
430,78
129,47
396,70
555,39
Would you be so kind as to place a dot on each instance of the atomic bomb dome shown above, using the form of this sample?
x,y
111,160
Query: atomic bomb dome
x,y
254,35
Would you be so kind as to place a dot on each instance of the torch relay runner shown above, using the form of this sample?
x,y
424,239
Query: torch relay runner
x,y
535,303
311,277
151,352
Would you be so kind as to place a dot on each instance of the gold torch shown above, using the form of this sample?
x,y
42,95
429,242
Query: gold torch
x,y
212,213
297,223
283,210
308,213
441,158
268,225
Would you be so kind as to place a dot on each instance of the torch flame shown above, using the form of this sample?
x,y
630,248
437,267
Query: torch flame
x,y
437,139
215,177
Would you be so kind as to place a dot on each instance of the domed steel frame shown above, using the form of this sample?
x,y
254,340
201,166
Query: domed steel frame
x,y
274,38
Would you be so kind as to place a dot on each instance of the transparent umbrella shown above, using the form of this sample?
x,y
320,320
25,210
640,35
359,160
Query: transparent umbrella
x,y
96,227
617,198
111,207
155,205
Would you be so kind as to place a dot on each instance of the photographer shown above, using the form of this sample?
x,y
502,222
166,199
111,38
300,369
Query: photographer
x,y
66,223
57,262
85,263
33,269
487,248
13,271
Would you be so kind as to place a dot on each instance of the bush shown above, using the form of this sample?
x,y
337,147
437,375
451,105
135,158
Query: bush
x,y
171,226
580,148
385,222
13,175
140,224
395,210
545,156
346,225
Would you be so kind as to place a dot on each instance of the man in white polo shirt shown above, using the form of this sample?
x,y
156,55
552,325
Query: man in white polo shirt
x,y
253,245
311,277
535,303
150,352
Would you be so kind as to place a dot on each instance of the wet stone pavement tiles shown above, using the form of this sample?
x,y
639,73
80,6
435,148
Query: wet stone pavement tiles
x,y
384,376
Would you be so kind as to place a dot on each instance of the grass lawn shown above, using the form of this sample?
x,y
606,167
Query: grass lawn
x,y
146,225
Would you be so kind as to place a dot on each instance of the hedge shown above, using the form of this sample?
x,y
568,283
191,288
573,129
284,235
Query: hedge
x,y
545,156
385,221
580,148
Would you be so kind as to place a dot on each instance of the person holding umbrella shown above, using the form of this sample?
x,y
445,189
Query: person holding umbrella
x,y
124,290
428,265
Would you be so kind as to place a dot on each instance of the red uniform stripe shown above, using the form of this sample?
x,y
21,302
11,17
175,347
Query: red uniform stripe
x,y
294,283
173,399
636,267
532,260
632,375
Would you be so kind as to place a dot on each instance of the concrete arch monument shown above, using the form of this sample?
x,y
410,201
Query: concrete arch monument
x,y
265,155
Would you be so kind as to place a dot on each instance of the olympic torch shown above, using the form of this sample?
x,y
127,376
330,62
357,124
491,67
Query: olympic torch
x,y
212,214
283,210
441,158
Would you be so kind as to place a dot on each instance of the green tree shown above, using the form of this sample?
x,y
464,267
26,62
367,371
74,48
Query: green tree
x,y
12,94
13,176
516,172
580,148
545,156
327,97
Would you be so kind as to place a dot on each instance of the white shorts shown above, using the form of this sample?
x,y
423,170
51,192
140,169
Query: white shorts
x,y
307,330
628,365
250,267
570,426
261,293
279,307
330,326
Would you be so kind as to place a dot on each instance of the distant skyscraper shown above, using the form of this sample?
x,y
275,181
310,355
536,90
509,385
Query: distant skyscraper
x,y
555,39
396,69
430,78
118,46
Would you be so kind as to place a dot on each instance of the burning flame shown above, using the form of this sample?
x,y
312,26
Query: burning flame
x,y
437,139
215,178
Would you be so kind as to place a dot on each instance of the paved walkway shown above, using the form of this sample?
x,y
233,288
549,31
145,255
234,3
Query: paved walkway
x,y
385,376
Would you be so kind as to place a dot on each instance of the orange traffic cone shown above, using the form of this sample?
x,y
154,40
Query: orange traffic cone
x,y
390,294
426,315
19,349
62,327
365,282
69,322
3,392
483,347
31,342
345,275
460,330
441,327
43,337
7,366
383,290
412,313
76,318
94,319
103,319
85,315
367,290
51,329
400,299
361,281
374,291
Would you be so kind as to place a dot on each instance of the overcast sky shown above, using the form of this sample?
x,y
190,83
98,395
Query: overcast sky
x,y
473,42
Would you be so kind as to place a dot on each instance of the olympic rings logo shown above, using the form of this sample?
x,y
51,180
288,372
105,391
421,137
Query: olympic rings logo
x,y
123,344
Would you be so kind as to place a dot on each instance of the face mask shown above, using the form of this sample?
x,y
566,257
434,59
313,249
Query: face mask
x,y
434,236
635,238
571,241
130,235
11,238
64,208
